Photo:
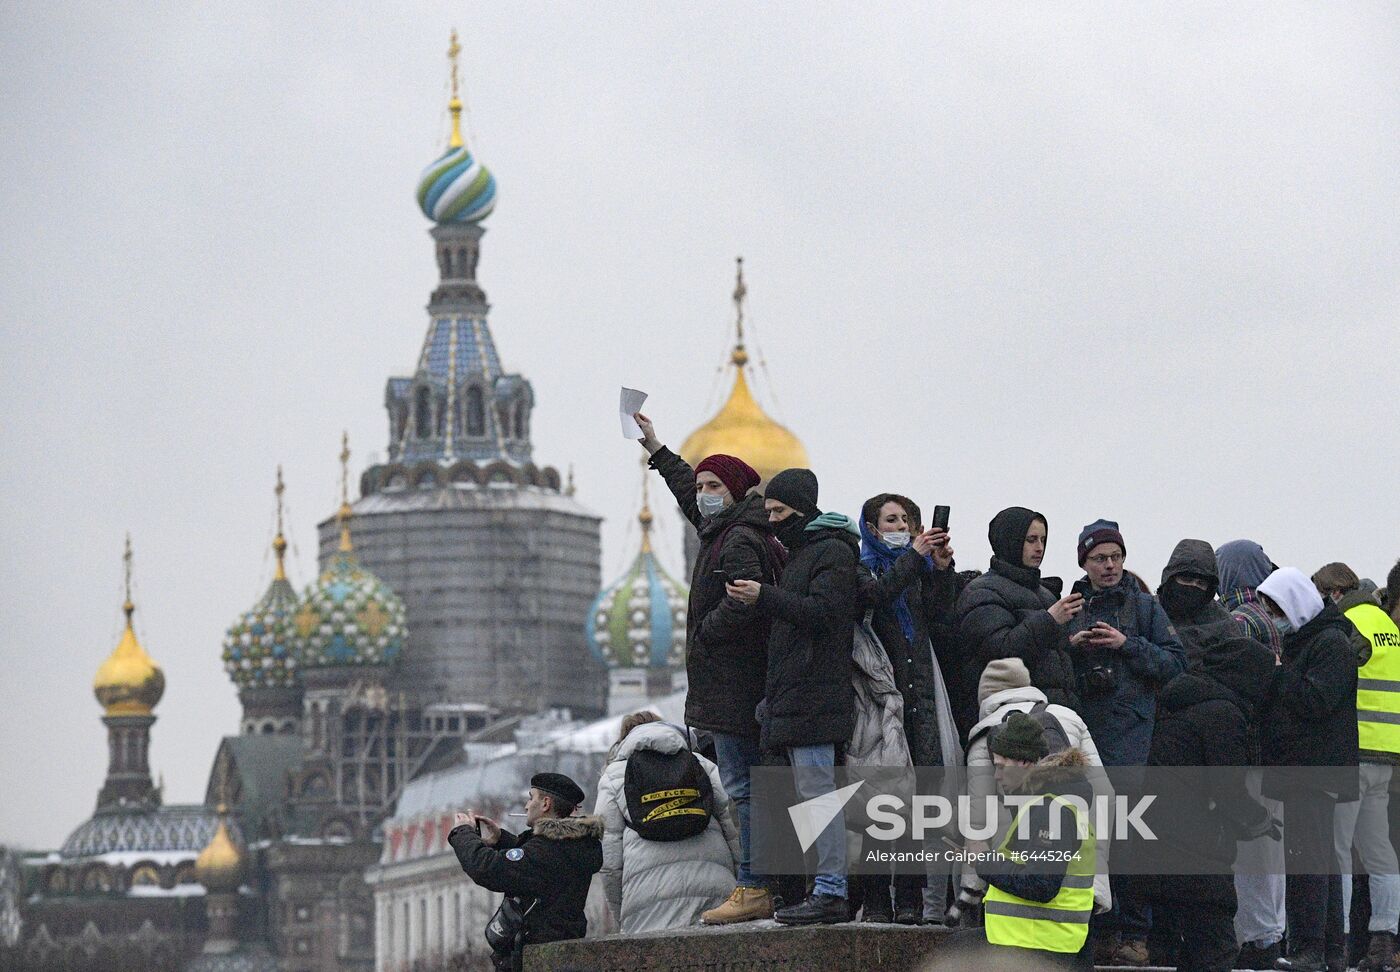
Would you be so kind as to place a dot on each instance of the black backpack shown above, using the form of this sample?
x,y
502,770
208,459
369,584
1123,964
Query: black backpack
x,y
1056,739
668,795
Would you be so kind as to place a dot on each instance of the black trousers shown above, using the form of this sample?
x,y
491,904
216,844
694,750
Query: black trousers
x,y
1314,890
1193,923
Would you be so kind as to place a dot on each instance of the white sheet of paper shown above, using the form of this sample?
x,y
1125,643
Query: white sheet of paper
x,y
631,404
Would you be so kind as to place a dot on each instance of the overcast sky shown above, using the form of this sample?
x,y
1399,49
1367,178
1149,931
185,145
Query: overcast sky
x,y
1135,261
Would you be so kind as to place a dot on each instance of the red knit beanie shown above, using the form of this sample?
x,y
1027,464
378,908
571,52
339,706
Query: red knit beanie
x,y
736,474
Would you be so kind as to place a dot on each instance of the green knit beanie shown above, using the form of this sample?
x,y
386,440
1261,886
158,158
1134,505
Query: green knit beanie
x,y
1019,737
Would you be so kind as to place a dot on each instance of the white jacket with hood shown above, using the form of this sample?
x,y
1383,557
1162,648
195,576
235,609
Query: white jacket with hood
x,y
1005,687
656,885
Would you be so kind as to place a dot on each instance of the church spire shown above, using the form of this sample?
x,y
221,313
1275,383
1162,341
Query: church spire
x,y
343,514
279,542
455,105
644,517
740,357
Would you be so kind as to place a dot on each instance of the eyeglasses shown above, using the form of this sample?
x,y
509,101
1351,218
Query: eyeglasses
x,y
1098,560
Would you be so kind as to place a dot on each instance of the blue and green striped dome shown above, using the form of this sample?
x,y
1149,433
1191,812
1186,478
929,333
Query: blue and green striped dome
x,y
639,622
457,189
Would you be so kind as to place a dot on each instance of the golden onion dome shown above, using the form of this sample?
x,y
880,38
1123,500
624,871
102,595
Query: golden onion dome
x,y
741,428
129,682
219,867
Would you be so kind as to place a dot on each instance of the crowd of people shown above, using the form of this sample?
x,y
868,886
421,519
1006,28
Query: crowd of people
x,y
813,639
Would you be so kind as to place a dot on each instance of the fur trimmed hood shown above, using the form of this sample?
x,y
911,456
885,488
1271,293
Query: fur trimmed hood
x,y
1069,766
569,828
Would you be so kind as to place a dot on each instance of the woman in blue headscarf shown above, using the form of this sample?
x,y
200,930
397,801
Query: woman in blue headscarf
x,y
909,588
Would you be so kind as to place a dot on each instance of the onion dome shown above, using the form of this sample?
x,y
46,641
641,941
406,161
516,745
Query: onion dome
x,y
456,188
219,867
639,621
129,682
348,616
257,648
741,428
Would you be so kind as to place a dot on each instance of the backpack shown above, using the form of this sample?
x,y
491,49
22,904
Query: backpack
x,y
668,795
1055,736
772,556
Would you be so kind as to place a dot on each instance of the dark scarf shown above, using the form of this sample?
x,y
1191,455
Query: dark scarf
x,y
879,557
790,531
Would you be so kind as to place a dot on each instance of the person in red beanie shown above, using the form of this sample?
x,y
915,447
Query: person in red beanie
x,y
726,642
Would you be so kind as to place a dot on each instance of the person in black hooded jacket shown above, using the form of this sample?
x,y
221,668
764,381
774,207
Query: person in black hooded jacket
x,y
726,640
809,702
1009,613
1203,718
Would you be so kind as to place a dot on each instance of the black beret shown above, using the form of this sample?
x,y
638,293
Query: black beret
x,y
559,786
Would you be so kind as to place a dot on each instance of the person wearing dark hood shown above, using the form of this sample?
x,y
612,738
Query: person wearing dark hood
x,y
1009,613
1308,734
1124,650
808,709
1392,593
726,644
1365,824
544,872
907,582
1243,566
1203,716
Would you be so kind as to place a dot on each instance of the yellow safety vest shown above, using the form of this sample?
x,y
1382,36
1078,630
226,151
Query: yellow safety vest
x,y
1378,681
1058,925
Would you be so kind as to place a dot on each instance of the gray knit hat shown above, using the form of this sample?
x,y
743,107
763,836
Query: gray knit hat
x,y
1002,674
1019,737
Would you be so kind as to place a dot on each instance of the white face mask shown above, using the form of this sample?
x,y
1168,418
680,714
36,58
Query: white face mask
x,y
897,539
710,503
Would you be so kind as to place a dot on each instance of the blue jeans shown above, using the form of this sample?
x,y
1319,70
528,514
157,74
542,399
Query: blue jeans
x,y
814,770
736,755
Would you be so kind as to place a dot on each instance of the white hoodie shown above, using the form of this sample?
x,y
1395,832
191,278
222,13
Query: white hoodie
x,y
1294,593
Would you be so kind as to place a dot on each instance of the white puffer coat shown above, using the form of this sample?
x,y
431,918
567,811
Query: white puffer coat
x,y
656,885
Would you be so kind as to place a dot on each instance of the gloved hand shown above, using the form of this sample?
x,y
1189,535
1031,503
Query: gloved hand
x,y
964,906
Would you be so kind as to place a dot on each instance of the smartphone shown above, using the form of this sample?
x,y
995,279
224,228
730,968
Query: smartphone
x,y
940,518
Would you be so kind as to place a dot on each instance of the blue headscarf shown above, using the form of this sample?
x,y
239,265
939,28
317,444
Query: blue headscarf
x,y
879,557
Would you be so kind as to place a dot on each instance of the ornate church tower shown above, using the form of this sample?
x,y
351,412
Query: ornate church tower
x,y
128,685
495,563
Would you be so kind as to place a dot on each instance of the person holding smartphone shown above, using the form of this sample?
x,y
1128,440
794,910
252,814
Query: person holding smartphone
x,y
1009,613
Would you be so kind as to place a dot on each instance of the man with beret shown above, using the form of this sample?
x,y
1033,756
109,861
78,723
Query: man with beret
x,y
809,700
544,872
726,640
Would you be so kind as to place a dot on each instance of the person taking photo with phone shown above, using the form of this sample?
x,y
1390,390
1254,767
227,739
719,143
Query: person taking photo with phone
x,y
726,640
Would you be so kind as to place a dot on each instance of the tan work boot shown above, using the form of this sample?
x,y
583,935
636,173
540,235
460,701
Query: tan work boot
x,y
1130,951
744,904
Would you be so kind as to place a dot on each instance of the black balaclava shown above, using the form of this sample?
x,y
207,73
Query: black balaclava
x,y
1007,533
795,488
1182,602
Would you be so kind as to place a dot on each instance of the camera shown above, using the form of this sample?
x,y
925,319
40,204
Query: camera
x,y
1099,680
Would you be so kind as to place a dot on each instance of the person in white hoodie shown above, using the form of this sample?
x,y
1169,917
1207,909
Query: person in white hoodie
x,y
655,885
1005,687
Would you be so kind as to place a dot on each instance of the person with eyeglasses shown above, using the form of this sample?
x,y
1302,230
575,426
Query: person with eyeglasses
x,y
1124,649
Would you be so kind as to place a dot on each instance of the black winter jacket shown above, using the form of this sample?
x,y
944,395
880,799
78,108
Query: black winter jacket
x,y
726,642
809,697
1203,721
1002,614
1308,717
931,595
549,868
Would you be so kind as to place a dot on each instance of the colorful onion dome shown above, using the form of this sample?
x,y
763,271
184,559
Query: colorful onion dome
x,y
456,188
639,621
219,867
741,428
128,682
258,646
348,616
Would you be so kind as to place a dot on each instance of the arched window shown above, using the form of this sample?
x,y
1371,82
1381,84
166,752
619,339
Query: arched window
x,y
476,412
423,414
520,420
446,254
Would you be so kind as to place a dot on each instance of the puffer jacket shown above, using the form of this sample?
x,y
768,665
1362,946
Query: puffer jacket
x,y
1003,614
996,708
1122,719
1308,717
726,642
809,698
656,885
